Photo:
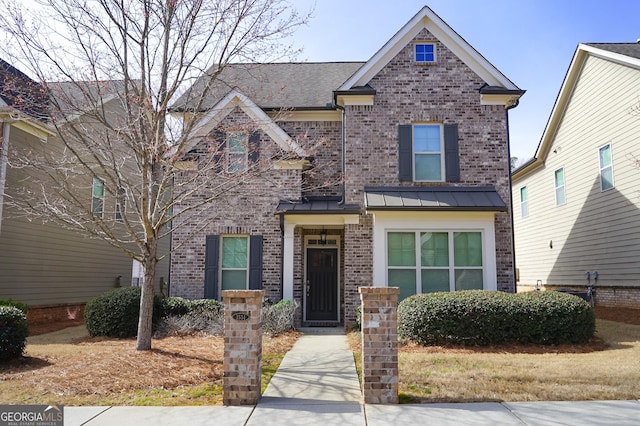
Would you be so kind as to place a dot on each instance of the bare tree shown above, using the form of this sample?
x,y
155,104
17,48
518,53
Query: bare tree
x,y
117,66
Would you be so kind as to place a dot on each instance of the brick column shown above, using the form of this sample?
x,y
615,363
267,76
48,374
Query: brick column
x,y
380,344
242,346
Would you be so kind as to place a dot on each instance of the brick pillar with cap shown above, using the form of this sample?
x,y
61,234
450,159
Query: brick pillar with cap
x,y
242,346
379,344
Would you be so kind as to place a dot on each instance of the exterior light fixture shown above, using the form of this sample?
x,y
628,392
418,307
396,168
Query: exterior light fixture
x,y
323,237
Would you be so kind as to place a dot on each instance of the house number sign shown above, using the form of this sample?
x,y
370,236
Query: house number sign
x,y
240,315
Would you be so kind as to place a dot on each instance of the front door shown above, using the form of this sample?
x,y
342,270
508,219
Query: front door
x,y
321,300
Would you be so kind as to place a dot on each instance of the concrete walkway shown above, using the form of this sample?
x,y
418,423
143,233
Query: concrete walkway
x,y
317,384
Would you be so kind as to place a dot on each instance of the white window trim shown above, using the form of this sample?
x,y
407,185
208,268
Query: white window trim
x,y
422,43
418,267
434,221
93,197
524,204
221,268
600,168
231,155
443,173
563,186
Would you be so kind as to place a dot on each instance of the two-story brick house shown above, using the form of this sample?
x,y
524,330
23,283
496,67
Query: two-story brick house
x,y
397,174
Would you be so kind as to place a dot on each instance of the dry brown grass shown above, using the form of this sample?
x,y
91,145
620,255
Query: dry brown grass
x,y
607,369
69,368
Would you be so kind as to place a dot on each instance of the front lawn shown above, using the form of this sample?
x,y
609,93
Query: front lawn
x,y
69,368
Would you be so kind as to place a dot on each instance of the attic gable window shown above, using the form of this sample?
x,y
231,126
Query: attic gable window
x,y
425,53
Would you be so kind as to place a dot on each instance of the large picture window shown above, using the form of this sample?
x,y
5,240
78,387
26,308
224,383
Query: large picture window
x,y
425,262
234,263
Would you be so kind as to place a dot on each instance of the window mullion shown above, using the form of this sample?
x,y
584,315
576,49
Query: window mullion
x,y
452,266
418,263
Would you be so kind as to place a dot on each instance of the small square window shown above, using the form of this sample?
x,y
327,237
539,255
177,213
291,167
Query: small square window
x,y
425,53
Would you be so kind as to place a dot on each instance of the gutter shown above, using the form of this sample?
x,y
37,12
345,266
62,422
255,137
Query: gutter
x,y
4,153
343,144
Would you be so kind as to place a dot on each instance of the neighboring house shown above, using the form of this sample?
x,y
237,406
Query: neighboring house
x,y
577,204
419,133
52,269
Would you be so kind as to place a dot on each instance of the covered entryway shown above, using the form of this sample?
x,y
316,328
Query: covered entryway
x,y
321,299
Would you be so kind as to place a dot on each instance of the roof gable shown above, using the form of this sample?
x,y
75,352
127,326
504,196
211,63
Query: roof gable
x,y
426,18
236,98
626,54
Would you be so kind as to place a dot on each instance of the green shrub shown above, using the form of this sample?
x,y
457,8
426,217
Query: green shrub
x,y
202,316
480,317
13,332
115,313
8,302
174,306
279,318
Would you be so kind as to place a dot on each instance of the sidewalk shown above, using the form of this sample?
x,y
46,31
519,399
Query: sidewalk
x,y
317,384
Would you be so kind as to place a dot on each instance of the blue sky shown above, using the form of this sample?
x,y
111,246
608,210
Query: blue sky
x,y
530,41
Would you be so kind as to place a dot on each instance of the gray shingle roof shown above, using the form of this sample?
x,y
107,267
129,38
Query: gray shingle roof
x,y
445,198
629,49
277,85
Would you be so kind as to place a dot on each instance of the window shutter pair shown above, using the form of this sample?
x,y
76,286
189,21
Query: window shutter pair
x,y
212,259
253,148
405,153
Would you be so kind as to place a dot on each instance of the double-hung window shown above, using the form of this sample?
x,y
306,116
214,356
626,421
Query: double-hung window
x,y
121,203
97,197
426,261
237,152
606,168
234,263
524,202
428,152
560,188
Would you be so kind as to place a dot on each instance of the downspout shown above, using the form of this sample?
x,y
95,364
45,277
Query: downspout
x,y
343,144
4,154
282,255
513,234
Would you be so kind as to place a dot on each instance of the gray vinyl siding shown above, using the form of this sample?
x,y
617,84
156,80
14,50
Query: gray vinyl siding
x,y
44,264
594,230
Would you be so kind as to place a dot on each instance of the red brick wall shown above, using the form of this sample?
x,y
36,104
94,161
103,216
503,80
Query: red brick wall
x,y
53,313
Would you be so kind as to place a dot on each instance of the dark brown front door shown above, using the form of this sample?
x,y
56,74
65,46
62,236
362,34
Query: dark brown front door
x,y
322,285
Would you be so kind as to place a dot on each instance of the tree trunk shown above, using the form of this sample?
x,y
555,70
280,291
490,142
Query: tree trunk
x,y
145,320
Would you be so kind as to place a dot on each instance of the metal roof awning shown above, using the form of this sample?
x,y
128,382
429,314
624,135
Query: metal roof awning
x,y
317,205
445,198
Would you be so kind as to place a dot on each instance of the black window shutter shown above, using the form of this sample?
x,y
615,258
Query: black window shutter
x,y
220,140
451,153
405,152
212,254
255,262
254,147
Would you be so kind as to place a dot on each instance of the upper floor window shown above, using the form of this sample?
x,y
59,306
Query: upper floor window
x,y
559,184
524,202
425,53
425,262
428,153
606,168
97,197
237,152
121,202
428,161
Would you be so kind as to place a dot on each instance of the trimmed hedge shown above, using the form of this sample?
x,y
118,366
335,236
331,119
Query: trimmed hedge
x,y
115,313
13,332
480,317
